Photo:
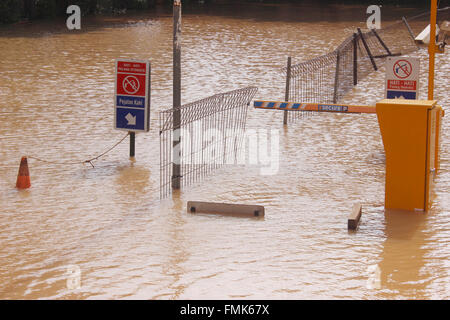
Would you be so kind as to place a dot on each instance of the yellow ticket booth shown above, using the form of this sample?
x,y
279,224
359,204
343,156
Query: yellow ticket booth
x,y
410,130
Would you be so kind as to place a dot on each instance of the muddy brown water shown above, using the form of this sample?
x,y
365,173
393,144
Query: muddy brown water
x,y
107,224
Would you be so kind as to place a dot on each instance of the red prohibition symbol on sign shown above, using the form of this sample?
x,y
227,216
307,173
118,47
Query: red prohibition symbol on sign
x,y
131,84
402,69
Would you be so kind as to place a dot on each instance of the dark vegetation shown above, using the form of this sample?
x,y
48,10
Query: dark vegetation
x,y
16,10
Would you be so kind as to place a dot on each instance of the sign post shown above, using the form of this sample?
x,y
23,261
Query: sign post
x,y
432,49
402,78
132,98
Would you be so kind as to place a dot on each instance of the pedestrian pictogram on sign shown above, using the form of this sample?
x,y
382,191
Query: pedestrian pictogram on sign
x,y
402,78
402,69
132,95
131,84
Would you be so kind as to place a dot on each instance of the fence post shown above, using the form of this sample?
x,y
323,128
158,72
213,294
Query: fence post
x,y
336,78
176,165
382,42
288,85
411,33
355,59
367,49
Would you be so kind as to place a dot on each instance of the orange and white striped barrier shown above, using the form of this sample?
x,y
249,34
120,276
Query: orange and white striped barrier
x,y
318,107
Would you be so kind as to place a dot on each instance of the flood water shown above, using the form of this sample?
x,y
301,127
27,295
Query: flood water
x,y
108,222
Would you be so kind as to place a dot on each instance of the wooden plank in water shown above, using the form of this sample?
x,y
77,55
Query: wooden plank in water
x,y
355,216
242,210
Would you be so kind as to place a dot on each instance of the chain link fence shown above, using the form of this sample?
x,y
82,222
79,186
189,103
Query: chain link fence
x,y
210,135
328,78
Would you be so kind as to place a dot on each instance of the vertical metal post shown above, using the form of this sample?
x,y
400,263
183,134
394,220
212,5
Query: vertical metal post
x,y
132,143
288,85
368,50
382,42
432,49
411,33
336,78
355,59
176,165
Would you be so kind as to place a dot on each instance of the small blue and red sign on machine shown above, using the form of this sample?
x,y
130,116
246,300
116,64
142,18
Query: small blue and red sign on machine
x,y
402,78
132,95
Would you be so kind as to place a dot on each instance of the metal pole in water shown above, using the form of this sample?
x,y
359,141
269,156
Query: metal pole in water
x,y
411,33
176,165
336,77
367,49
432,49
132,143
355,59
288,84
381,42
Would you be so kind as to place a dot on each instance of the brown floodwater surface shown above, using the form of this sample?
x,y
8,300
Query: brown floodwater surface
x,y
108,223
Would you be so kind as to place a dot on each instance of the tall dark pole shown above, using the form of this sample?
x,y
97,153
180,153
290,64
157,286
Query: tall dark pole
x,y
336,77
411,33
432,49
132,143
355,59
288,83
176,172
367,49
381,41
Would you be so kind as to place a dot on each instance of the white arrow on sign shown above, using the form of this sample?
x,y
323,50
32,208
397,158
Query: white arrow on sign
x,y
131,120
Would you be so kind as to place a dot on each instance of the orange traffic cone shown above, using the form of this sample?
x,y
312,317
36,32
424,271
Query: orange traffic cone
x,y
23,178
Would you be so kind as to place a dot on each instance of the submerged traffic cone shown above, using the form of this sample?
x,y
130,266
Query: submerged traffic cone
x,y
23,178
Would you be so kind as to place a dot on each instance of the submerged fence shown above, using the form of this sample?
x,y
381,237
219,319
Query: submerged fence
x,y
328,78
206,137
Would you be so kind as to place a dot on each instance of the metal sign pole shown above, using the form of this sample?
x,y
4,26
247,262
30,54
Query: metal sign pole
x,y
355,59
132,143
176,165
432,49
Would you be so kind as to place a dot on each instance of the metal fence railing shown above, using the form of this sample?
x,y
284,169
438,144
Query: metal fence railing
x,y
328,78
209,135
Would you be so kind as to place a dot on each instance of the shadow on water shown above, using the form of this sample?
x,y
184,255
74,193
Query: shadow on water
x,y
178,252
132,180
56,26
299,12
403,256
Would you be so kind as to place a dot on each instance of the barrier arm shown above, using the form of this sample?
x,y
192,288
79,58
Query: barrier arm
x,y
318,107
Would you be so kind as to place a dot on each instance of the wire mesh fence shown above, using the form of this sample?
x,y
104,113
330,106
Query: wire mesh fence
x,y
328,78
210,135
